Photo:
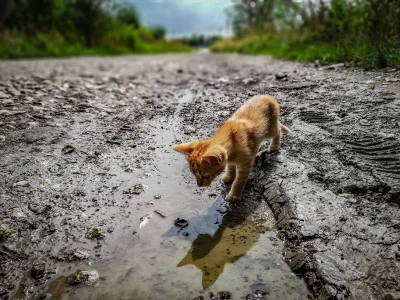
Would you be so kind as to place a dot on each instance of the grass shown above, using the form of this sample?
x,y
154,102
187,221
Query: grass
x,y
14,45
304,49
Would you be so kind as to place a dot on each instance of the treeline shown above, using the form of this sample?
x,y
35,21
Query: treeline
x,y
71,27
366,31
199,40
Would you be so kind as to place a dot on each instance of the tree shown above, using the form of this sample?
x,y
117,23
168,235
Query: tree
x,y
90,18
129,15
158,32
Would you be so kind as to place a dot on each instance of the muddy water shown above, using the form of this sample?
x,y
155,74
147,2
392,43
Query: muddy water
x,y
226,246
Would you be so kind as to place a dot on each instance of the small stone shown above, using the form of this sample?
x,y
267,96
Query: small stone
x,y
189,129
18,213
144,220
249,80
397,256
224,295
279,76
223,80
139,188
38,270
258,295
110,229
95,233
89,278
181,223
5,232
21,183
157,197
76,254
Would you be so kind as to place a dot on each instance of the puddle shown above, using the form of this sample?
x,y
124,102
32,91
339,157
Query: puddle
x,y
210,253
225,247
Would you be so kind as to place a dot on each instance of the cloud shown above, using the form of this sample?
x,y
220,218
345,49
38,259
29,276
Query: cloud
x,y
185,17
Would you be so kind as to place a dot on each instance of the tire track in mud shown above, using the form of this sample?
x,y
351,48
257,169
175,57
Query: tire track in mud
x,y
380,154
315,117
334,223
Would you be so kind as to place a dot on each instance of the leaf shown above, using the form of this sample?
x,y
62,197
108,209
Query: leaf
x,y
68,149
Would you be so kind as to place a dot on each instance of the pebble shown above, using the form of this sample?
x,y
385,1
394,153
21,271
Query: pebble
x,y
95,233
38,270
181,223
21,183
89,277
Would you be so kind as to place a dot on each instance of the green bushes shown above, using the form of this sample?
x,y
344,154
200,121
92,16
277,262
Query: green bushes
x,y
39,28
364,31
305,49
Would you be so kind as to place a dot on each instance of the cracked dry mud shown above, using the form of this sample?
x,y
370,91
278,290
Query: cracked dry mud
x,y
327,205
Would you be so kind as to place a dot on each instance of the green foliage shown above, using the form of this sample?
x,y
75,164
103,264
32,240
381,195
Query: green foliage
x,y
121,36
158,32
39,28
128,15
294,47
367,31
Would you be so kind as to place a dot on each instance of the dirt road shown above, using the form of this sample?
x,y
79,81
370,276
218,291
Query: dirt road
x,y
85,161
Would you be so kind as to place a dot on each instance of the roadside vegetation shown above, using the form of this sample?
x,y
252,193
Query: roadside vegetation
x,y
43,28
365,32
200,40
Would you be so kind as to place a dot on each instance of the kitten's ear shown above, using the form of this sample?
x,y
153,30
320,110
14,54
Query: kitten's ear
x,y
212,159
186,148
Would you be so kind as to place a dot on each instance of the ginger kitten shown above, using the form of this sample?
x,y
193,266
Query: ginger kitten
x,y
235,144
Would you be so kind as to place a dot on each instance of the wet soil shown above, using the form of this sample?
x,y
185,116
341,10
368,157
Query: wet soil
x,y
88,181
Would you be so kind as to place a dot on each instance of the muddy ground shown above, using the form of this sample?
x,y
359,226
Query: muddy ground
x,y
82,138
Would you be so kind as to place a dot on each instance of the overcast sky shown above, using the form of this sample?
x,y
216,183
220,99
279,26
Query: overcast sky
x,y
185,17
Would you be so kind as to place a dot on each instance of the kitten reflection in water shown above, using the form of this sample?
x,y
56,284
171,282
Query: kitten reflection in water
x,y
233,239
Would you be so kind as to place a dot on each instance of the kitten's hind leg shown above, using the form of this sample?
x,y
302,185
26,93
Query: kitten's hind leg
x,y
230,174
275,143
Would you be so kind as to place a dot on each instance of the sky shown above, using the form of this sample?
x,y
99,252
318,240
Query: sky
x,y
185,17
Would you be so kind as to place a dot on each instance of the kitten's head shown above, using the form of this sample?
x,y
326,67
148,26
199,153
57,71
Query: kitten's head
x,y
206,161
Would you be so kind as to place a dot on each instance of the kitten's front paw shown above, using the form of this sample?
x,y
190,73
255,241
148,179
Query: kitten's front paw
x,y
231,197
274,148
227,179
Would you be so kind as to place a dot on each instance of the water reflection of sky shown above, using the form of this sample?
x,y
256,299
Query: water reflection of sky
x,y
185,17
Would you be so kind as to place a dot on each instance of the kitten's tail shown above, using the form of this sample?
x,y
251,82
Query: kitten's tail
x,y
284,129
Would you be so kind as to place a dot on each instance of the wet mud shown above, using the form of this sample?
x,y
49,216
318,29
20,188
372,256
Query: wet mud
x,y
88,181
